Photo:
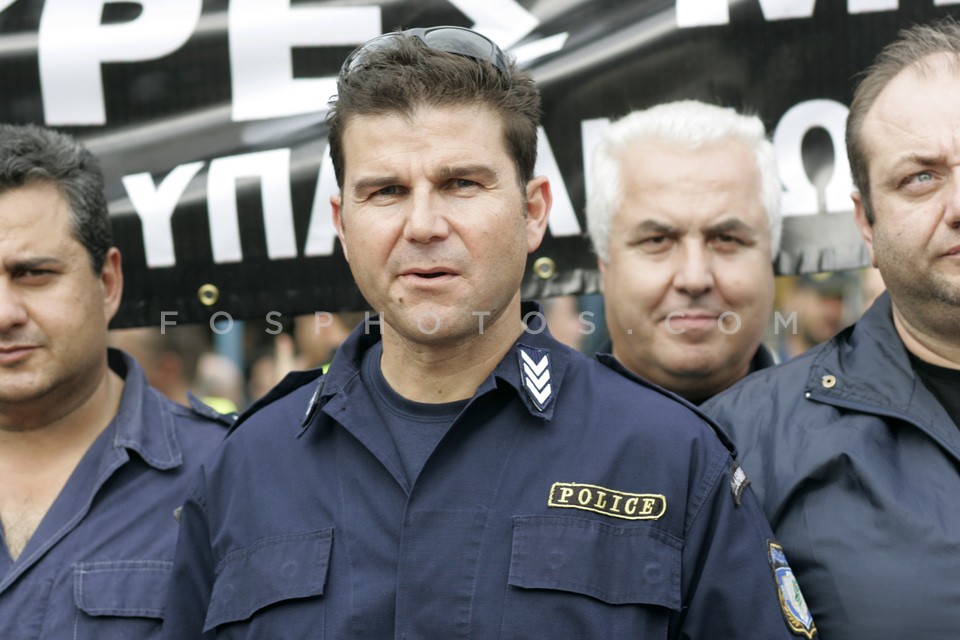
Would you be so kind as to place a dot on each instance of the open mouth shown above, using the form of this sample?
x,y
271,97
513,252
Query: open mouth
x,y
429,273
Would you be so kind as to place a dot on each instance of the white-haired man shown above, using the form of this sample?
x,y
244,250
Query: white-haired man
x,y
684,215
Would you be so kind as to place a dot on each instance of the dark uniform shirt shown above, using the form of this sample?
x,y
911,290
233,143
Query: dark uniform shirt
x,y
857,465
97,567
565,501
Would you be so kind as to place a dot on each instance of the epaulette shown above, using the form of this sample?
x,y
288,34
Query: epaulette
x,y
291,382
614,364
199,407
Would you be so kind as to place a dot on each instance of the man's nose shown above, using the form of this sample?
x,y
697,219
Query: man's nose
x,y
426,219
12,311
694,269
951,213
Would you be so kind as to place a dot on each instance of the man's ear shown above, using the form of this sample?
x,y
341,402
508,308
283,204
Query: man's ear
x,y
336,203
111,283
539,201
866,229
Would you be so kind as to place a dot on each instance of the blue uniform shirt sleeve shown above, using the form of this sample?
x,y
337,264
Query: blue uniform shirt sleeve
x,y
735,589
191,582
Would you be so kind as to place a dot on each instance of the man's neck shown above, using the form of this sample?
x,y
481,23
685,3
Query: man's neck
x,y
445,373
38,457
928,345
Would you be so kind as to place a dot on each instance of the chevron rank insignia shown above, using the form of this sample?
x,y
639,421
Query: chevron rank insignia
x,y
535,375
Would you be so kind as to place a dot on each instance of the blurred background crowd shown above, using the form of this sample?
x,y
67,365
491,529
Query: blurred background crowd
x,y
231,374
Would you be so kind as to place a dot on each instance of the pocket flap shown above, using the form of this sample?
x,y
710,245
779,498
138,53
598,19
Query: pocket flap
x,y
135,588
267,572
617,565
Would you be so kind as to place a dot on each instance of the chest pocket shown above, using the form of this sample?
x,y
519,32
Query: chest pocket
x,y
578,578
119,599
272,589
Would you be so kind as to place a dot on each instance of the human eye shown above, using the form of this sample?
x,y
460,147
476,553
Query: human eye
x,y
382,195
386,192
727,241
654,243
463,184
34,276
919,179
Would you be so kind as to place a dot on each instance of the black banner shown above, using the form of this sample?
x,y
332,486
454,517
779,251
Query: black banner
x,y
209,119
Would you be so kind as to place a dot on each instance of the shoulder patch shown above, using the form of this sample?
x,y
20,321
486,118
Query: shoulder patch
x,y
535,375
608,502
794,608
738,482
290,383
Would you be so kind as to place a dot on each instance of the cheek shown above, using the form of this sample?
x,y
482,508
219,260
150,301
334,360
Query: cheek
x,y
365,251
746,284
635,286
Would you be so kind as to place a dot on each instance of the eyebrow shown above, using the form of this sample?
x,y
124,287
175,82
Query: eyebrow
x,y
481,171
732,225
915,159
657,227
28,264
458,171
373,184
923,160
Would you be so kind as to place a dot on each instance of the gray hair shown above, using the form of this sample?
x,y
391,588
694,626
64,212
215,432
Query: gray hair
x,y
34,155
688,123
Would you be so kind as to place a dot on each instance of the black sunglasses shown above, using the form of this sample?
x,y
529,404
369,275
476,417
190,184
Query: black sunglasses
x,y
456,40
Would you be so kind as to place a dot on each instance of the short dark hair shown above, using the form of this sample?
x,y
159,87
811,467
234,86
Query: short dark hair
x,y
408,74
30,154
911,48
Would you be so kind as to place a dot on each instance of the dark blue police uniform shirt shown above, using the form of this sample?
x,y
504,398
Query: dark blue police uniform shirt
x,y
566,501
98,565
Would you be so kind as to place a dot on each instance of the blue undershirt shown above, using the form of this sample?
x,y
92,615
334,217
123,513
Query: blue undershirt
x,y
416,428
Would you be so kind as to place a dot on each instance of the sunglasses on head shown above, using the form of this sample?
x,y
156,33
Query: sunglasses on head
x,y
456,40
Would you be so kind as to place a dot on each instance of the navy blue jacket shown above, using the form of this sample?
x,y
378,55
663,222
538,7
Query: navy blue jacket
x,y
600,509
857,467
97,567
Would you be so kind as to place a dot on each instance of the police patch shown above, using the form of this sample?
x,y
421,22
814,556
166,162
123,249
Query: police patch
x,y
794,607
617,504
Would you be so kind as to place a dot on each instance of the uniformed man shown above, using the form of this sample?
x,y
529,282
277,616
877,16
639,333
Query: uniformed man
x,y
854,446
457,473
93,462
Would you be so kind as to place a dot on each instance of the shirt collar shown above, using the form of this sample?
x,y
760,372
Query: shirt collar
x,y
144,420
538,386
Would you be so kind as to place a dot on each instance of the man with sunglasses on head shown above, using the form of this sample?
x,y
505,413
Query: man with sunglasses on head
x,y
457,472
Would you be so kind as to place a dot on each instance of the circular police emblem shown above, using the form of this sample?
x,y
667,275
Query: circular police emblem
x,y
795,611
